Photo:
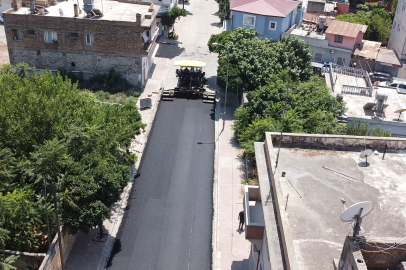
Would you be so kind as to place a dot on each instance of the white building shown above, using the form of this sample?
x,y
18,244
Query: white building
x,y
397,40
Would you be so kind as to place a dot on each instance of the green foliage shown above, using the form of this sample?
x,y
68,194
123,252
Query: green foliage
x,y
224,9
379,21
253,61
170,17
52,132
8,263
310,109
363,7
111,82
74,77
357,128
173,35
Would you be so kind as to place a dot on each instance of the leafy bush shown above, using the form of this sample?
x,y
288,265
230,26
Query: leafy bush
x,y
363,7
111,82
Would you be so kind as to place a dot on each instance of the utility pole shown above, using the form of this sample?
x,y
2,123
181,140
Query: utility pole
x,y
283,116
58,228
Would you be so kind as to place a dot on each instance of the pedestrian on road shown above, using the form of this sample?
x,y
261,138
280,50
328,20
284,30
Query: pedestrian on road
x,y
241,217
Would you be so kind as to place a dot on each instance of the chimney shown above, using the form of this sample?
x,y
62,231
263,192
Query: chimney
x,y
76,10
32,6
16,5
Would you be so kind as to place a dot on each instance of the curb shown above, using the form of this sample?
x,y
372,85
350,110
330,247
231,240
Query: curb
x,y
126,192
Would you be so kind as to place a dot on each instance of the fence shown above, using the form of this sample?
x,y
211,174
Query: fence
x,y
356,90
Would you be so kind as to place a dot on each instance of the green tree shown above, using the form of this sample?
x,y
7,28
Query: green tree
x,y
170,17
379,22
52,132
310,109
253,60
8,263
224,9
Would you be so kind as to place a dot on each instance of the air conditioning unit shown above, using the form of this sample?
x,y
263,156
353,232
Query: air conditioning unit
x,y
331,51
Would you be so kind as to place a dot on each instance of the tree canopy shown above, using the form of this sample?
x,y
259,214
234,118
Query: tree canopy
x,y
52,132
379,23
252,61
170,17
310,109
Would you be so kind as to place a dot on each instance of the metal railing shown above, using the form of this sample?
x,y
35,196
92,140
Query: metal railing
x,y
356,90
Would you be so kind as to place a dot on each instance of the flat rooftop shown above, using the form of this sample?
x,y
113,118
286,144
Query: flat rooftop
x,y
308,33
355,105
316,180
112,11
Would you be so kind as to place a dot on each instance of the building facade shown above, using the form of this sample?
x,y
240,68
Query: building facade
x,y
269,18
397,39
62,36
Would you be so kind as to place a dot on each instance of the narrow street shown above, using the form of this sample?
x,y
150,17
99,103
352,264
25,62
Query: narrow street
x,y
168,220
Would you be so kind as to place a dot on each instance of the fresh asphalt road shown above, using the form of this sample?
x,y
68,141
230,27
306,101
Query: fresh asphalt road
x,y
168,222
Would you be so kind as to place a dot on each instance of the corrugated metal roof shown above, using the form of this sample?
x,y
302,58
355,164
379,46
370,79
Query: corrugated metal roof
x,y
345,28
389,57
368,49
273,8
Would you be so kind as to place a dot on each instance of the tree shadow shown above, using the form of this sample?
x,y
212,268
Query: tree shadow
x,y
169,50
240,265
217,24
116,249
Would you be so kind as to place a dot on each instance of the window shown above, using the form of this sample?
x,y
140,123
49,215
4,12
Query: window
x,y
249,20
50,36
17,35
31,33
338,39
89,39
272,25
74,35
318,57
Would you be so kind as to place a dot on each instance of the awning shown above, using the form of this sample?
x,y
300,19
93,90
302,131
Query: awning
x,y
190,63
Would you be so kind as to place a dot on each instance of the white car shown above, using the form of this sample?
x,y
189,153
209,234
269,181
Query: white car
x,y
1,18
399,85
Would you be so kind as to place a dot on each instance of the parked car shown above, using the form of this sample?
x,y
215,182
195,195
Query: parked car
x,y
327,64
399,85
378,76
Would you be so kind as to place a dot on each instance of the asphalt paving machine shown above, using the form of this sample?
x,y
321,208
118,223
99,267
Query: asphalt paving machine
x,y
190,83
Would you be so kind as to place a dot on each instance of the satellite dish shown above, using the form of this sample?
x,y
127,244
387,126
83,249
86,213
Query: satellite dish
x,y
355,213
351,212
60,12
365,154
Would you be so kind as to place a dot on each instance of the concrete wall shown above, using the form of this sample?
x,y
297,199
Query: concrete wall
x,y
118,44
316,6
321,46
397,39
339,142
348,42
349,256
52,259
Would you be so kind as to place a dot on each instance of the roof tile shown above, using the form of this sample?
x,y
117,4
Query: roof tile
x,y
272,8
345,28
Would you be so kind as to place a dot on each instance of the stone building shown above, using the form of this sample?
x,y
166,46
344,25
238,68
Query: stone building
x,y
91,38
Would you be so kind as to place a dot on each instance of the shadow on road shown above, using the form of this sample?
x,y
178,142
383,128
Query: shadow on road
x,y
240,265
116,250
168,50
217,24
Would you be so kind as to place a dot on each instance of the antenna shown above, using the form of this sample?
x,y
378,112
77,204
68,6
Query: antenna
x,y
355,213
365,154
60,12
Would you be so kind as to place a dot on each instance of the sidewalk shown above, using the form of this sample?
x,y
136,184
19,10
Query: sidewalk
x,y
86,253
231,248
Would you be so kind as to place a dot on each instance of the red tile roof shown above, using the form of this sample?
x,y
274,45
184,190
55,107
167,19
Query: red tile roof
x,y
273,8
345,28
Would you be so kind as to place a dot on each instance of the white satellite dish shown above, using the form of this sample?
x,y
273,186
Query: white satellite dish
x,y
355,213
60,12
351,212
365,154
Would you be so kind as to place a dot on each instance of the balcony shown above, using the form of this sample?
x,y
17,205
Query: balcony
x,y
254,217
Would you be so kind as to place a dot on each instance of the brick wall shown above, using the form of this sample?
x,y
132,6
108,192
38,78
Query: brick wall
x,y
116,44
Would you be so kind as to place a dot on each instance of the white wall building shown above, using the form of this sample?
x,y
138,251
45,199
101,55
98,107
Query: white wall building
x,y
397,40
